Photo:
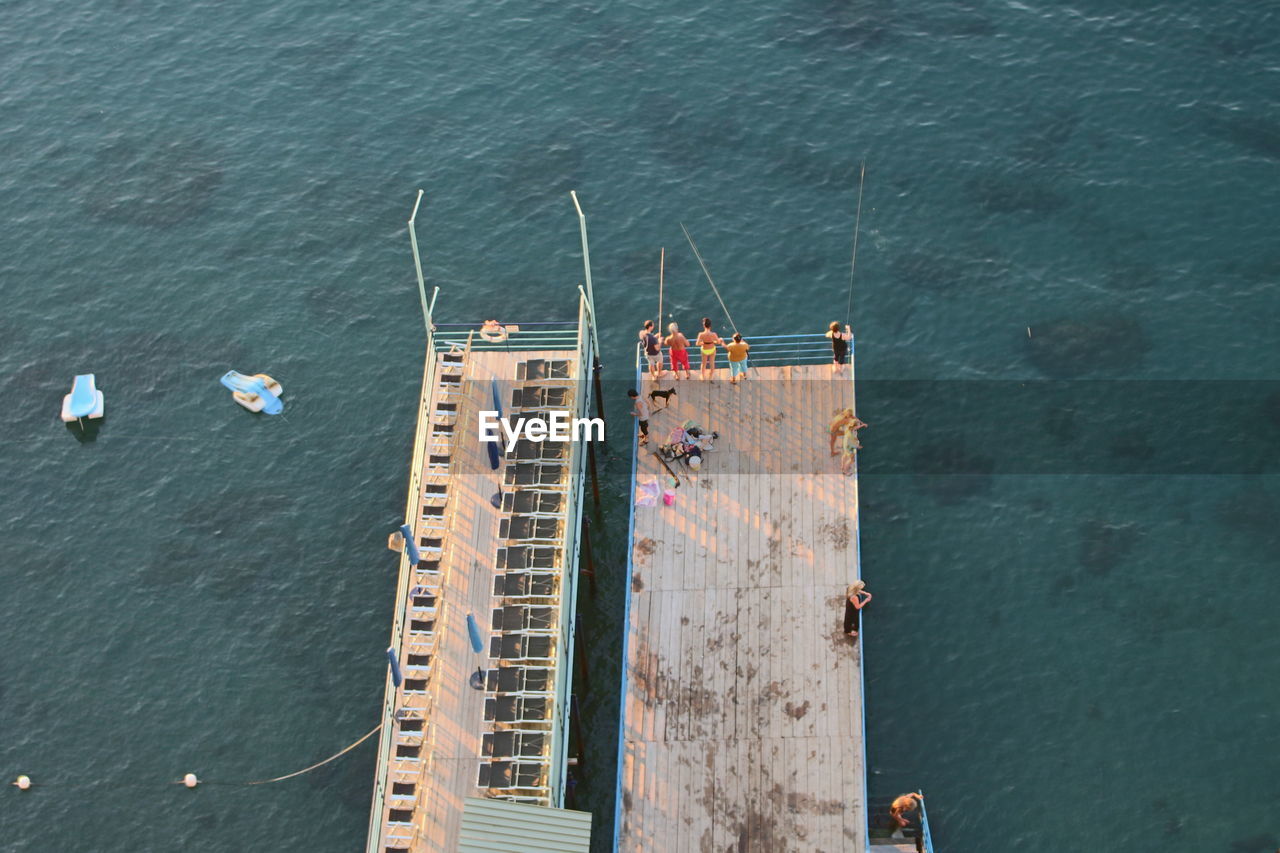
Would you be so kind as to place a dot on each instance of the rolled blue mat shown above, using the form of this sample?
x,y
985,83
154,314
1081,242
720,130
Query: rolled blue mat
x,y
410,547
473,629
396,677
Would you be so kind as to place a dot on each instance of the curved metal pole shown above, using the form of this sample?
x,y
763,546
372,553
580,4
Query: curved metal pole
x,y
417,264
586,268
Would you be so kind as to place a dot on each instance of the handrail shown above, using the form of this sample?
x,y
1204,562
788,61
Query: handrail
x,y
924,841
572,548
522,324
374,839
626,613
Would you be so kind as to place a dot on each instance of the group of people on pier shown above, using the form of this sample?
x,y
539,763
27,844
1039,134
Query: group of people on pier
x,y
708,343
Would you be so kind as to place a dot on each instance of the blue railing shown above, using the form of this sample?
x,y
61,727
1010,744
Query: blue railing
x,y
626,614
924,826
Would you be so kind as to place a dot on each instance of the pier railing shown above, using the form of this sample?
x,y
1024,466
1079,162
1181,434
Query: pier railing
x,y
814,348
581,346
927,840
411,518
519,337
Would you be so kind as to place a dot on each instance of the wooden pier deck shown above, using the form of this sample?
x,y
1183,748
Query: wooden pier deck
x,y
434,764
743,709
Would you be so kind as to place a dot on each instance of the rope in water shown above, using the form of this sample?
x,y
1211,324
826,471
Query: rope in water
x,y
190,781
853,262
343,752
701,263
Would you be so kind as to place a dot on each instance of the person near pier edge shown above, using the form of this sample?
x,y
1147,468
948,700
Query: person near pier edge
x,y
839,346
737,358
707,342
844,417
652,349
856,598
900,808
677,350
640,411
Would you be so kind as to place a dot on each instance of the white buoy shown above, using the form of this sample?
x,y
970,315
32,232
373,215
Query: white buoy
x,y
23,783
190,780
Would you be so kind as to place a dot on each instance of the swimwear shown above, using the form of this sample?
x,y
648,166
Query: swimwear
x,y
679,358
737,368
839,349
709,350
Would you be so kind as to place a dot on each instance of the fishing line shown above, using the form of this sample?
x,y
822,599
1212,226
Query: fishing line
x,y
853,262
662,264
710,280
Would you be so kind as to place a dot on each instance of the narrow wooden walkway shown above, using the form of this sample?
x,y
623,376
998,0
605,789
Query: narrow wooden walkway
x,y
743,713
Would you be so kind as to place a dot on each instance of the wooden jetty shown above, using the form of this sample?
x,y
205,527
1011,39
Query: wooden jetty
x,y
742,725
468,732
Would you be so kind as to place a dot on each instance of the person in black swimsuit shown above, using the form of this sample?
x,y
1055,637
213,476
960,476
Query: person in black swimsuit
x,y
839,346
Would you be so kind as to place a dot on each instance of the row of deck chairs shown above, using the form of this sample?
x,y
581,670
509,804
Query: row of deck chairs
x,y
412,748
528,574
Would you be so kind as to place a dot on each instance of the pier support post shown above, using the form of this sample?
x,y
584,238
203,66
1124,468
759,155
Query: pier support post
x,y
586,549
595,482
580,650
575,717
595,371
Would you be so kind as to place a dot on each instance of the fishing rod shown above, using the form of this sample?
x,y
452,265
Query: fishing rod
x,y
662,263
707,272
853,262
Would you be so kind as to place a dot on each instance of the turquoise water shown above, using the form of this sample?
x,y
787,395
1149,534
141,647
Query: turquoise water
x,y
1066,659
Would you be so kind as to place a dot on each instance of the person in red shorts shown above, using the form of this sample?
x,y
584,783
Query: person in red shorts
x,y
678,347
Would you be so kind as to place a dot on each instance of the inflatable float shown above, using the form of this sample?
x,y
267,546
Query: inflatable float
x,y
257,393
84,401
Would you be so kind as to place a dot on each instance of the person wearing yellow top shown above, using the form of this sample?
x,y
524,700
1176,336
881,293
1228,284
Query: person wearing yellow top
x,y
737,359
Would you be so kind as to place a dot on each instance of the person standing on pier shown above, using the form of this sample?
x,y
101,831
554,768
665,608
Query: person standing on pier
x,y
737,359
856,598
839,346
851,446
652,349
707,342
844,418
678,350
640,411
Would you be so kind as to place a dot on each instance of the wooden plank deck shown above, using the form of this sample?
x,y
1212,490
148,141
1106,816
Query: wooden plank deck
x,y
453,712
743,713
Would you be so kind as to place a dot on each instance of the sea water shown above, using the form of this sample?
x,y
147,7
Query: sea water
x,y
1070,649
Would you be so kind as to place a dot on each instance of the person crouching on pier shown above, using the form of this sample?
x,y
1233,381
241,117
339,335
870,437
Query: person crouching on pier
x,y
901,810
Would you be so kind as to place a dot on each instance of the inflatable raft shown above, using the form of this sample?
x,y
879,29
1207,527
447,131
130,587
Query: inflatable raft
x,y
84,401
257,393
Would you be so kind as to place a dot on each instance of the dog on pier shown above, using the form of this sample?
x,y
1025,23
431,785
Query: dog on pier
x,y
665,396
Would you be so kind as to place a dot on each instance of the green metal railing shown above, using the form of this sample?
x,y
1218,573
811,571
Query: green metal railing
x,y
572,546
411,518
562,335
